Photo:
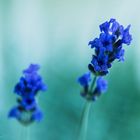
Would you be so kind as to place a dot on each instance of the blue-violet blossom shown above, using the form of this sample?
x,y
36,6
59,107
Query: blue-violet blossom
x,y
27,88
107,48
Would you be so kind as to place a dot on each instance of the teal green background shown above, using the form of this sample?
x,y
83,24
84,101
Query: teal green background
x,y
55,34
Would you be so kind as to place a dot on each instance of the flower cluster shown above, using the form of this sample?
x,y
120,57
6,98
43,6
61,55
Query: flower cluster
x,y
89,93
27,88
107,48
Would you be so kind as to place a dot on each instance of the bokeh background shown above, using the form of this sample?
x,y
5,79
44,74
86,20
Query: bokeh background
x,y
55,34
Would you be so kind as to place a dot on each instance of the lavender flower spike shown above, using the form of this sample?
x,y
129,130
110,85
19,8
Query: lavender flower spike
x,y
27,110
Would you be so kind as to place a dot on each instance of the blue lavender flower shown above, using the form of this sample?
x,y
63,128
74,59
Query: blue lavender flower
x,y
27,88
108,46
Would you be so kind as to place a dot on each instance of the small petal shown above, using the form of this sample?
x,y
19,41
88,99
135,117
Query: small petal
x,y
127,38
32,68
37,115
101,85
14,113
85,79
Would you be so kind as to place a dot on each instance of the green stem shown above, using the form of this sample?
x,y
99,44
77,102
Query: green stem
x,y
28,133
25,133
84,121
92,84
85,115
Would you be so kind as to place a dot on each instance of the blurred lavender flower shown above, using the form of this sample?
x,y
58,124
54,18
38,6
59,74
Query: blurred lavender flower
x,y
27,88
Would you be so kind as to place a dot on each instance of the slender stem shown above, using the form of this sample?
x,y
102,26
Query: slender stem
x,y
25,133
85,115
92,84
84,121
28,133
